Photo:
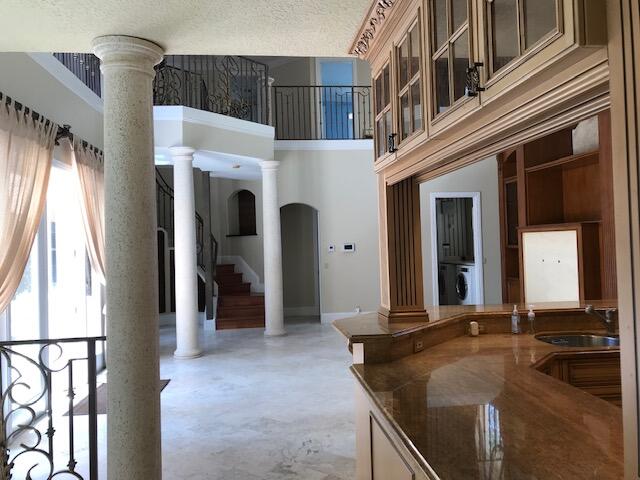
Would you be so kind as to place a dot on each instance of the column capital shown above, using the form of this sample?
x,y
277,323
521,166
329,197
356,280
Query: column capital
x,y
127,53
269,165
180,152
270,81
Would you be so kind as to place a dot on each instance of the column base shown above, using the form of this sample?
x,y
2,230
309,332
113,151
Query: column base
x,y
277,333
187,354
402,316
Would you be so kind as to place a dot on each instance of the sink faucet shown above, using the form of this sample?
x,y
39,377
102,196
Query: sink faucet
x,y
607,318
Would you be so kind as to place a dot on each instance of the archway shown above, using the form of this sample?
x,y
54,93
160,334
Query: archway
x,y
300,262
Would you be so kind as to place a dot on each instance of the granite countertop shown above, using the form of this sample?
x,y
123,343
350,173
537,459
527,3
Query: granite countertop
x,y
368,325
474,408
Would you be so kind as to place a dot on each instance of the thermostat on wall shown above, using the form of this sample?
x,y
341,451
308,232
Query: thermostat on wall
x,y
349,247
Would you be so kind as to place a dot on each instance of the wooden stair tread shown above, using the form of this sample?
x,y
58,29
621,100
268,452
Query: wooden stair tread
x,y
238,307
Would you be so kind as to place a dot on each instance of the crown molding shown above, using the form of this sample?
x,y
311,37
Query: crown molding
x,y
371,24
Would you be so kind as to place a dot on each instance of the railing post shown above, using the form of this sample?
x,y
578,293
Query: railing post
x,y
270,81
93,409
353,114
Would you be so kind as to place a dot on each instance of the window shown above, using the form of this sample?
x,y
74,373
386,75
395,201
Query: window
x,y
450,52
241,208
382,92
409,98
516,26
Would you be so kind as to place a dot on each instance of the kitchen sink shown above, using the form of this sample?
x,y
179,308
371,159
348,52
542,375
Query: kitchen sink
x,y
580,340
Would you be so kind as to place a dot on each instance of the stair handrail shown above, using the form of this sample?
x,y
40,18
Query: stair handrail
x,y
166,194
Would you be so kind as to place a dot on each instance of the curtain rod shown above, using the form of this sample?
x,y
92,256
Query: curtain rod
x,y
64,131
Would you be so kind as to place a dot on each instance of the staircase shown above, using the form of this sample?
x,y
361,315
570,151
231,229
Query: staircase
x,y
237,306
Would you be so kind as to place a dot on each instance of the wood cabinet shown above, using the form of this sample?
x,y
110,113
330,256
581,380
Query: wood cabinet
x,y
545,186
436,62
597,373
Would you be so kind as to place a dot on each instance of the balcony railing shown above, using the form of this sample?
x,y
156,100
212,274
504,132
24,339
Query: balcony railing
x,y
85,66
40,380
322,112
233,86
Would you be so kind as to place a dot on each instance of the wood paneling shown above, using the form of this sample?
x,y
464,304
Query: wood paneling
x,y
597,373
608,235
406,297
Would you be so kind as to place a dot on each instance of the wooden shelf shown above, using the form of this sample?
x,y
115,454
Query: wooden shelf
x,y
561,161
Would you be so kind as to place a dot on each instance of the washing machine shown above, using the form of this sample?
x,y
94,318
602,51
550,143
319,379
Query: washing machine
x,y
466,285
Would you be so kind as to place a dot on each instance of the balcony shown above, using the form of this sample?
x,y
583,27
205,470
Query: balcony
x,y
322,112
239,87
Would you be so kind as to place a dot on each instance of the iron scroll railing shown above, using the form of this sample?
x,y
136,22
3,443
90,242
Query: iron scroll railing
x,y
36,376
85,66
322,112
229,85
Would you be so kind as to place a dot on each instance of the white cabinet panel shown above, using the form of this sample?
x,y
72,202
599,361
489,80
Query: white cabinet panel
x,y
386,462
550,262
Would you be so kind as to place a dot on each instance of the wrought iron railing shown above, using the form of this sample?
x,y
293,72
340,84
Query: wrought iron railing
x,y
233,86
165,206
322,112
40,380
229,85
85,66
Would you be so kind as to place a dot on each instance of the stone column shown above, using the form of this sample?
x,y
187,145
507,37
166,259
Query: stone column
x,y
185,254
272,239
133,422
270,81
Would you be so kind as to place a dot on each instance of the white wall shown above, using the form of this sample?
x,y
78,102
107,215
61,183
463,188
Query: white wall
x,y
25,80
480,177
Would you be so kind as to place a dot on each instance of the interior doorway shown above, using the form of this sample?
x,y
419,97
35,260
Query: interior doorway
x,y
456,248
300,261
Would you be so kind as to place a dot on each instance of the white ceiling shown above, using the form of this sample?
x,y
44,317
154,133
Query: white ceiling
x,y
223,165
220,27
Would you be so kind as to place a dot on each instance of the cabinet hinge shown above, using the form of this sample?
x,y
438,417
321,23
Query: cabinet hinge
x,y
473,80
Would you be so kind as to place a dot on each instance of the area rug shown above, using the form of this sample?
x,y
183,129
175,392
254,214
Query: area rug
x,y
82,407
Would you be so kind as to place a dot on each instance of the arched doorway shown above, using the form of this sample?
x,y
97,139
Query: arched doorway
x,y
300,262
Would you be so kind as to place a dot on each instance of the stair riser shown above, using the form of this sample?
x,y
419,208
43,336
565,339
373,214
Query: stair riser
x,y
239,301
234,289
234,312
225,269
229,279
239,323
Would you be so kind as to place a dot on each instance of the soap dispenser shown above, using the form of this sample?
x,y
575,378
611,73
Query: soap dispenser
x,y
515,321
532,320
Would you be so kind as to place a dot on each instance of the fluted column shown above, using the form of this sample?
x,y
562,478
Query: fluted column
x,y
272,239
187,328
133,421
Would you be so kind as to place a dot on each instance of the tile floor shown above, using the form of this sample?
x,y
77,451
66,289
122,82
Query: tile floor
x,y
256,408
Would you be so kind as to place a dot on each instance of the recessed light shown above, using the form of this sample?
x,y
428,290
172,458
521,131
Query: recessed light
x,y
236,166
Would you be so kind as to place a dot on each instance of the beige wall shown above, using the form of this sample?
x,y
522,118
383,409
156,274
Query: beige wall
x,y
299,224
23,79
479,177
341,185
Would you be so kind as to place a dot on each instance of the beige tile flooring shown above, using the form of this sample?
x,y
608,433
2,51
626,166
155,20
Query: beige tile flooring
x,y
256,408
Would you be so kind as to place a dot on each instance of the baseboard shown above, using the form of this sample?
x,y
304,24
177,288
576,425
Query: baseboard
x,y
330,317
301,311
248,274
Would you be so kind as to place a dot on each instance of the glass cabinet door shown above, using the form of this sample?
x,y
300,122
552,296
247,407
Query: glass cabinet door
x,y
515,27
382,93
408,54
450,52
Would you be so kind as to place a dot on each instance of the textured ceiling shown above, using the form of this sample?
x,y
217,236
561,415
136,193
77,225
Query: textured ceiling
x,y
233,27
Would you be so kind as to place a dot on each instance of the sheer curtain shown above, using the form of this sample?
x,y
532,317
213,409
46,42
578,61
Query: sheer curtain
x,y
26,152
90,170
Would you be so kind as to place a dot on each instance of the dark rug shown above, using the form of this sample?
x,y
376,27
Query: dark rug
x,y
82,407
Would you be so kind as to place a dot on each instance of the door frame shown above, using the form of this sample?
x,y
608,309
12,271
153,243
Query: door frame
x,y
477,241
